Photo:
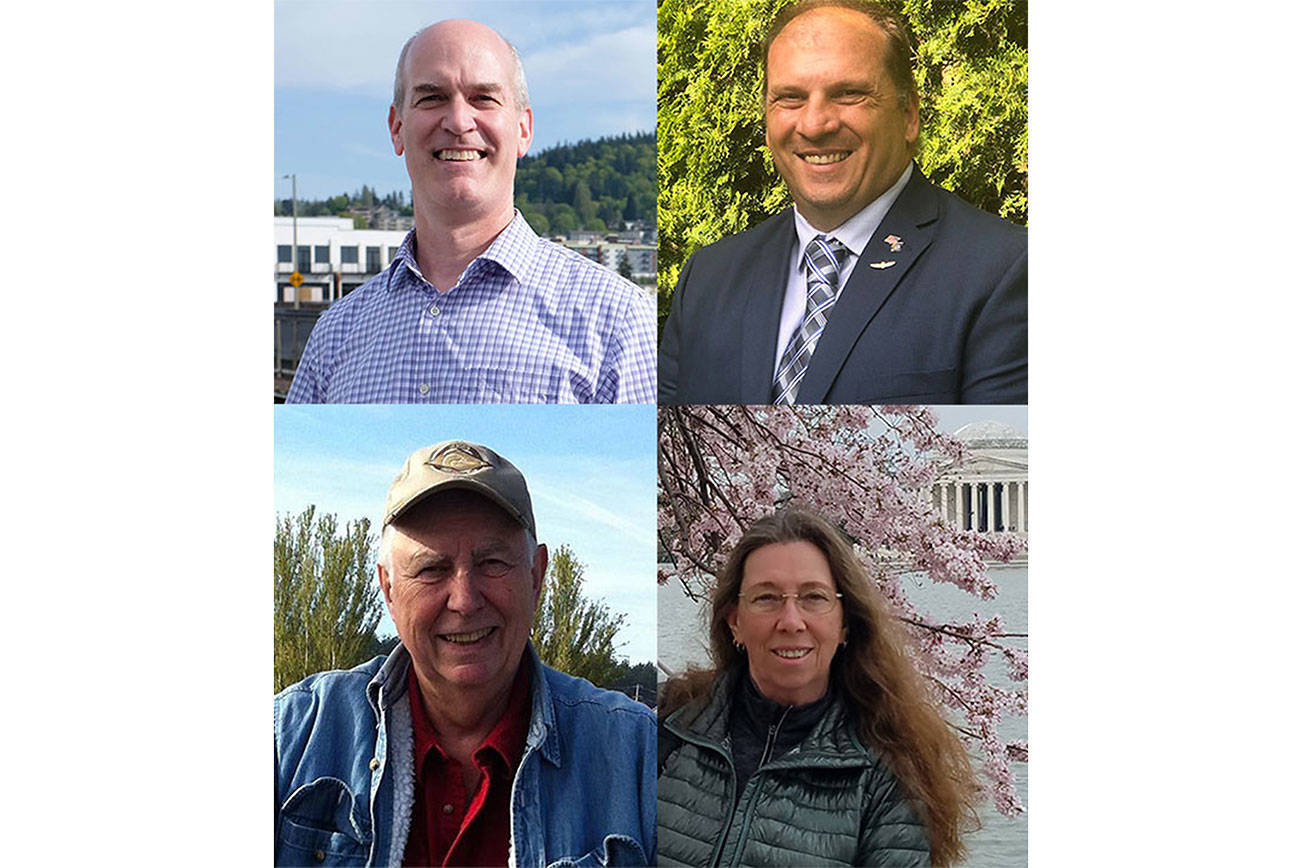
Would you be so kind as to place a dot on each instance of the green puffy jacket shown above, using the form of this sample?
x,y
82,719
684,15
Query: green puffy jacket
x,y
829,801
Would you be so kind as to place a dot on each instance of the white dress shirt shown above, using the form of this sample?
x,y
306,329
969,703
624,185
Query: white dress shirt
x,y
854,233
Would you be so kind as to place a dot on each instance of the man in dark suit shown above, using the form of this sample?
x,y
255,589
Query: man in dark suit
x,y
878,287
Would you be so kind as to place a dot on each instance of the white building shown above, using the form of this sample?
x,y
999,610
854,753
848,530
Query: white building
x,y
641,257
333,257
987,492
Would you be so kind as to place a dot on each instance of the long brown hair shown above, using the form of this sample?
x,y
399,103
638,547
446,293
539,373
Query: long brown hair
x,y
874,672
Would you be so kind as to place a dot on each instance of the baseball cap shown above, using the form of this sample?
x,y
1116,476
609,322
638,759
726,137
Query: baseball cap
x,y
460,464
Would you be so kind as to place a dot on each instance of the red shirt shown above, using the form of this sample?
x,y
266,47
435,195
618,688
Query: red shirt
x,y
450,826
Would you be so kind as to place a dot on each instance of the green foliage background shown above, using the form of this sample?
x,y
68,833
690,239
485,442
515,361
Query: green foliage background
x,y
571,632
327,602
589,185
716,176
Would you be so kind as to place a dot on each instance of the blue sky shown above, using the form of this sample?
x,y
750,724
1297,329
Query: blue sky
x,y
590,469
590,67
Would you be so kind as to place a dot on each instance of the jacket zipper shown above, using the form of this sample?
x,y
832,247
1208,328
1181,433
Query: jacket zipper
x,y
769,741
772,738
691,738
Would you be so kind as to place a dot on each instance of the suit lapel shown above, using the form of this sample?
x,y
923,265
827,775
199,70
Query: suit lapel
x,y
764,284
911,218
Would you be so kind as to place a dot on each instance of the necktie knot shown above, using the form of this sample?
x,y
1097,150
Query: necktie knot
x,y
824,258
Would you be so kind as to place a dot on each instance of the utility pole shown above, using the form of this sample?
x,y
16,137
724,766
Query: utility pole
x,y
293,179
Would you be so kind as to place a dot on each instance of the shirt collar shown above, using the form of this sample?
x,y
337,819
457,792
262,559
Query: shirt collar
x,y
856,232
506,739
512,249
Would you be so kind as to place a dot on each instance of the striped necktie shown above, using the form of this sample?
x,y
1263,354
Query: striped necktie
x,y
823,260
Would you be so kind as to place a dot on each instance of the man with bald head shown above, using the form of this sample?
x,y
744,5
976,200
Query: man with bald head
x,y
461,747
877,286
475,307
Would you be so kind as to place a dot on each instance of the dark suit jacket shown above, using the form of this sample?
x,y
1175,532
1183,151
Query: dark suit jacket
x,y
946,324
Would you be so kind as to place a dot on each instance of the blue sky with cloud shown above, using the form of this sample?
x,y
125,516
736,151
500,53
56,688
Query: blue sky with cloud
x,y
590,469
590,67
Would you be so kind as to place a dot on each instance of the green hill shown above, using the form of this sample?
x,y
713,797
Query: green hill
x,y
589,185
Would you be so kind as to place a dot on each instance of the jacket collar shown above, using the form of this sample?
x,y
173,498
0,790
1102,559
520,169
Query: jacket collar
x,y
543,735
707,719
760,712
832,741
911,217
911,225
389,686
762,313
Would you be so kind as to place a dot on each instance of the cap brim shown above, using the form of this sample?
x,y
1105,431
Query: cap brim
x,y
467,484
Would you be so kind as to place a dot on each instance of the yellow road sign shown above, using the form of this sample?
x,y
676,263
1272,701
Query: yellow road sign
x,y
296,279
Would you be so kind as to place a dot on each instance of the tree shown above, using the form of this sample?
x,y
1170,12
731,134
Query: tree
x,y
564,220
551,183
326,597
570,632
602,183
625,269
717,177
867,469
638,682
583,204
537,221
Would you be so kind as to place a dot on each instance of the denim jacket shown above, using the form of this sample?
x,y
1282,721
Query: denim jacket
x,y
584,793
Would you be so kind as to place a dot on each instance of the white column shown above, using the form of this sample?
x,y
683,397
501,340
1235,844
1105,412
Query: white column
x,y
1021,506
1009,496
944,501
971,505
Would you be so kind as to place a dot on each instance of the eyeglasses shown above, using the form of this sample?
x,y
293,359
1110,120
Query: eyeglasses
x,y
810,602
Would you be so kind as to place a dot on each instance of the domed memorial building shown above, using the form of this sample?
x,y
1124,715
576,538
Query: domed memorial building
x,y
988,491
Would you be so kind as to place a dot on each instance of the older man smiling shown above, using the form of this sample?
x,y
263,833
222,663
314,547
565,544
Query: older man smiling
x,y
461,747
476,308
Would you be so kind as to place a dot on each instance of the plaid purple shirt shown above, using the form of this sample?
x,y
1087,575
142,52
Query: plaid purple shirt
x,y
528,322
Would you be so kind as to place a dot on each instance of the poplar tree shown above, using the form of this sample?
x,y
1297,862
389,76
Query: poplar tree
x,y
327,601
572,633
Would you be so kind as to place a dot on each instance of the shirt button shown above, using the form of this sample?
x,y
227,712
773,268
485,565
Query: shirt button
x,y
319,855
375,763
433,310
424,388
447,809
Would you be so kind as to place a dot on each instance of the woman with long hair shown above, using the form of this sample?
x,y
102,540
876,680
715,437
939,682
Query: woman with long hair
x,y
811,740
